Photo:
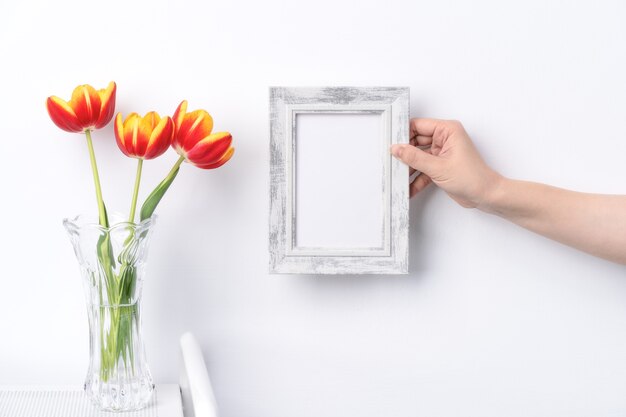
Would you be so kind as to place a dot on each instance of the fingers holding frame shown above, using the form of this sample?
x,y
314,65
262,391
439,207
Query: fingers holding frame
x,y
423,127
418,184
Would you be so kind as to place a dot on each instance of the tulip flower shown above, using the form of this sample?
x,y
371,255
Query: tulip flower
x,y
142,138
88,108
194,142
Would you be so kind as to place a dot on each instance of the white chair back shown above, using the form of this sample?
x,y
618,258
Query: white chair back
x,y
195,385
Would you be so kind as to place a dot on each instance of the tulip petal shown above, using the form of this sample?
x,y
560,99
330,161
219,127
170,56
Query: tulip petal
x,y
145,125
107,105
85,102
179,115
195,126
132,130
62,115
221,162
160,139
210,149
120,138
131,125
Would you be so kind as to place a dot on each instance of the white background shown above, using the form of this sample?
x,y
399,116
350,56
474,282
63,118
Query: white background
x,y
491,321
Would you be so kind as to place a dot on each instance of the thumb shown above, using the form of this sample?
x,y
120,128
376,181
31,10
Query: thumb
x,y
415,158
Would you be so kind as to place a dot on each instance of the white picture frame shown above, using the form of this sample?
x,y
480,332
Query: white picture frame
x,y
380,118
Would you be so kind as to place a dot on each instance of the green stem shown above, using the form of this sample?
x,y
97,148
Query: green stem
x,y
133,204
96,180
176,165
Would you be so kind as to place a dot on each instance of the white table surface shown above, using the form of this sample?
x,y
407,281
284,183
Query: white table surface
x,y
64,401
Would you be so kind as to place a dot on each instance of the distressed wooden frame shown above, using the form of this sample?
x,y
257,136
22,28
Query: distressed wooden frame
x,y
392,103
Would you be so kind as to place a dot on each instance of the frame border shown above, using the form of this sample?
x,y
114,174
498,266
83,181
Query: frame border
x,y
285,103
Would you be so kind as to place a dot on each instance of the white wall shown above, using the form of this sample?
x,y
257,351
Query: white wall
x,y
491,321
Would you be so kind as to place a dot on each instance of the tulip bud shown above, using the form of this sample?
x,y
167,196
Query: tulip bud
x,y
143,137
193,139
88,108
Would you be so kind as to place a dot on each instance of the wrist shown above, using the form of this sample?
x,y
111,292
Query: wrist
x,y
493,194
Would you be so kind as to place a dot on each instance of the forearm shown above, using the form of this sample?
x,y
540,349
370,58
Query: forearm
x,y
593,223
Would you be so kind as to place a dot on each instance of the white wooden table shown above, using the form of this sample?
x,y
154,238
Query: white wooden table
x,y
192,398
55,401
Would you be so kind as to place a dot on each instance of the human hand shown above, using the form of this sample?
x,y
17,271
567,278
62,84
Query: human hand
x,y
444,154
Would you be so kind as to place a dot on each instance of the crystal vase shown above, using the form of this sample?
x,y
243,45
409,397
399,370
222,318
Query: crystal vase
x,y
112,263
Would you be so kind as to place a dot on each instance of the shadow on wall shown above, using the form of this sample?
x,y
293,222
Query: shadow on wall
x,y
417,262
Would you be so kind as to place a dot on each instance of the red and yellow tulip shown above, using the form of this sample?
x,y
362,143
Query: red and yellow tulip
x,y
143,137
194,141
147,137
88,108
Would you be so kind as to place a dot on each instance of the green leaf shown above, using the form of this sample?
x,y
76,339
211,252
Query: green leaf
x,y
155,196
104,250
105,255
106,216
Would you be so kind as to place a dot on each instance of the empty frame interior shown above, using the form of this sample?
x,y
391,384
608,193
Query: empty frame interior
x,y
338,187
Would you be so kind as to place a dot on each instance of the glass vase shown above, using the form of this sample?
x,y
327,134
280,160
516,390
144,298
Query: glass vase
x,y
112,263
